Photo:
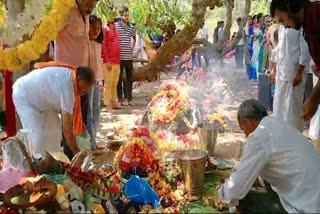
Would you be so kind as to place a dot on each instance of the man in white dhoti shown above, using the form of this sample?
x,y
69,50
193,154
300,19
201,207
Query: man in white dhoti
x,y
41,94
292,59
282,156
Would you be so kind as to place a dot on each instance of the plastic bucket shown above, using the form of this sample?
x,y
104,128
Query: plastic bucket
x,y
193,165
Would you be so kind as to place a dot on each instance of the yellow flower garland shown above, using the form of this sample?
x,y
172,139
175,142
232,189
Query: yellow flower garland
x,y
2,18
12,59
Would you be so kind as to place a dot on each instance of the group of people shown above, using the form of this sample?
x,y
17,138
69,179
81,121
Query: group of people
x,y
255,44
87,53
276,149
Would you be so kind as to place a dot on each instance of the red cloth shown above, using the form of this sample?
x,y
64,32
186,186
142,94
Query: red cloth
x,y
311,27
110,50
11,128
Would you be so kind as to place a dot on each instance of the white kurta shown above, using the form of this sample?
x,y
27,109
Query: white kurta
x,y
291,51
314,130
38,96
286,160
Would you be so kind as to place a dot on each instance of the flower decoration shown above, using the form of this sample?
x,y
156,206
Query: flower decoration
x,y
168,105
13,58
217,118
148,137
168,142
137,153
158,183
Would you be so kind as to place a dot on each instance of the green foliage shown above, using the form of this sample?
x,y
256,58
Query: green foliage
x,y
260,6
106,10
161,12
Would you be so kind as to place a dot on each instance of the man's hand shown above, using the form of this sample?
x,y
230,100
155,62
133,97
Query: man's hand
x,y
272,76
109,66
297,79
67,120
299,75
316,70
310,107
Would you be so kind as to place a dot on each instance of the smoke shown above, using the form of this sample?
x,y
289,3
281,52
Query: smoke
x,y
220,89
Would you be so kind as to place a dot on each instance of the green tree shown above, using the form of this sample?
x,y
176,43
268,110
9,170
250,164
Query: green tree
x,y
165,15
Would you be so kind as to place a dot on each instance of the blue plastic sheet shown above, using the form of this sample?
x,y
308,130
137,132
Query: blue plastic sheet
x,y
138,190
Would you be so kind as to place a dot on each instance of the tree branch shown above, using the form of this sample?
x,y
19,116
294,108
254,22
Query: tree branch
x,y
226,33
222,49
240,35
180,42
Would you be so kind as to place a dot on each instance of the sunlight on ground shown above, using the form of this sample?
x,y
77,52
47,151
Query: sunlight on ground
x,y
229,87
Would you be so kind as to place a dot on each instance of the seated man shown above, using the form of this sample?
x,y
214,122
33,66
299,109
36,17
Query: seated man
x,y
41,94
282,156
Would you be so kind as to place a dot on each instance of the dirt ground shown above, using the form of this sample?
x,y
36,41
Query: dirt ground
x,y
237,88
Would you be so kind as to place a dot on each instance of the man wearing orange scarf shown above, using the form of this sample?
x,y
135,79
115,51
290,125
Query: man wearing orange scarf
x,y
42,93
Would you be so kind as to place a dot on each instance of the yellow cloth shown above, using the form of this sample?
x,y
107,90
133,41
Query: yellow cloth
x,y
110,85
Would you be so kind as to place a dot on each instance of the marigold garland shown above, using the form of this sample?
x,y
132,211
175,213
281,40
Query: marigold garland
x,y
13,58
217,118
137,153
3,19
167,105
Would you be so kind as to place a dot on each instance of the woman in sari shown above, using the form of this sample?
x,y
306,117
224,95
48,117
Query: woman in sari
x,y
260,33
252,49
257,56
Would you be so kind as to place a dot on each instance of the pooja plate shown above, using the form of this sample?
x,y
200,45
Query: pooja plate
x,y
105,170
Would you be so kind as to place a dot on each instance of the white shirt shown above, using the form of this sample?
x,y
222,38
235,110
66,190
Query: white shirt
x,y
205,31
241,40
220,33
48,89
286,160
292,50
139,45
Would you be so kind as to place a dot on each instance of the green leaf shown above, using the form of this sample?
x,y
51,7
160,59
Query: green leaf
x,y
201,209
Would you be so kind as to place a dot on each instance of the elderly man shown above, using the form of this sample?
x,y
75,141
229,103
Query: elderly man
x,y
282,156
42,93
303,13
72,46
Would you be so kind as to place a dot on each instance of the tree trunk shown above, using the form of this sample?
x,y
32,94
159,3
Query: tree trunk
x,y
247,9
14,8
180,42
226,33
219,50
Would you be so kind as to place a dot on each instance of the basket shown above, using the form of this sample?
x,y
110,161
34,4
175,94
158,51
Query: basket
x,y
84,179
16,163
109,187
17,197
15,154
